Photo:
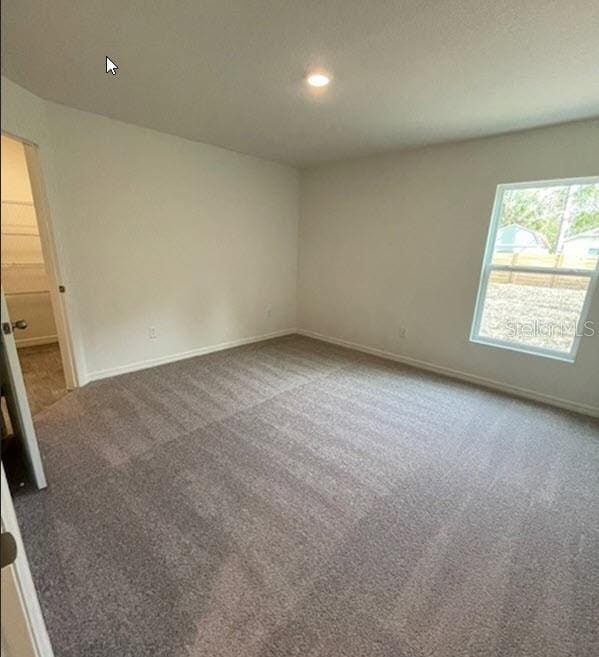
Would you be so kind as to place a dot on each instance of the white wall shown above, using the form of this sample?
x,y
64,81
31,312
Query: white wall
x,y
397,240
24,277
196,241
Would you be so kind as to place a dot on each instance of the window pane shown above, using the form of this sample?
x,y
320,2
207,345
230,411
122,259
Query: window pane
x,y
556,226
538,310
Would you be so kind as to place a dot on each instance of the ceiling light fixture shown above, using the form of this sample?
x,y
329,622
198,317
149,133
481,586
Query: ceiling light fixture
x,y
318,79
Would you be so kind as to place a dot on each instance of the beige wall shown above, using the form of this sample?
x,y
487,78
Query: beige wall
x,y
156,231
397,240
15,184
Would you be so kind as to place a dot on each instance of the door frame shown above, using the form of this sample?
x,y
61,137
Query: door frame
x,y
24,605
51,261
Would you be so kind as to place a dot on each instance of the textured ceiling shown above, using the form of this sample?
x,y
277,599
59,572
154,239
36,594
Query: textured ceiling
x,y
229,72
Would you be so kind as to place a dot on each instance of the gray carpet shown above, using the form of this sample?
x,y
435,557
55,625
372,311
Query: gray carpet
x,y
296,498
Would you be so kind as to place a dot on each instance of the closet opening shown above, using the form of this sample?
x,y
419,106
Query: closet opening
x,y
32,308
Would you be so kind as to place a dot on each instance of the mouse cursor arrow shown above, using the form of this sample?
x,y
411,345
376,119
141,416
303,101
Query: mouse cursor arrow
x,y
111,67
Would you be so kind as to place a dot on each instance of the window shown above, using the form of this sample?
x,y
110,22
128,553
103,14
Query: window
x,y
540,268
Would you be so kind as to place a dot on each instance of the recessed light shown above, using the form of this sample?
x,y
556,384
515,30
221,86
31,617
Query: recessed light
x,y
318,79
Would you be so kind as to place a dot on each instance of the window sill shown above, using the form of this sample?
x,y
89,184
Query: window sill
x,y
522,349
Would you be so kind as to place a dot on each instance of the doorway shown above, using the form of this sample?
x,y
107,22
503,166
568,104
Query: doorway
x,y
27,284
35,333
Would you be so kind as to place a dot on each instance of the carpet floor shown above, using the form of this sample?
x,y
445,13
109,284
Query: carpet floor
x,y
297,498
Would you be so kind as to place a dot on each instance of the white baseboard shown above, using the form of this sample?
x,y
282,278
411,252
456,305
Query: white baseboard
x,y
585,409
162,360
35,342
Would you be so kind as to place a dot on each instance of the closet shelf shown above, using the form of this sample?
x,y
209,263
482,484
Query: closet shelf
x,y
24,293
20,233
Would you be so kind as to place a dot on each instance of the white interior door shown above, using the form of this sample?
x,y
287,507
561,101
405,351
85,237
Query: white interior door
x,y
24,632
17,398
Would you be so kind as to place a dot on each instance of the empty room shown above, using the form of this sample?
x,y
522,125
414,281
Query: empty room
x,y
300,328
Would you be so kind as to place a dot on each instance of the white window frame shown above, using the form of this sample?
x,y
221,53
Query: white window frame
x,y
488,268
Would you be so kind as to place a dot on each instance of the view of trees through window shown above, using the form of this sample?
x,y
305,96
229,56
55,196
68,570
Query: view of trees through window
x,y
556,213
545,252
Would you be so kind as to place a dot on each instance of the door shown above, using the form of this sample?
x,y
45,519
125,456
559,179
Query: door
x,y
16,397
24,632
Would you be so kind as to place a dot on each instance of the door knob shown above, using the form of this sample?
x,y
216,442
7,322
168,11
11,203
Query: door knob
x,y
8,549
20,324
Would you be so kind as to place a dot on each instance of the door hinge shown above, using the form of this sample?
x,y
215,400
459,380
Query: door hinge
x,y
62,289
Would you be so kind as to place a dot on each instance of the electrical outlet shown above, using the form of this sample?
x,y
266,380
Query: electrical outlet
x,y
268,311
402,332
152,332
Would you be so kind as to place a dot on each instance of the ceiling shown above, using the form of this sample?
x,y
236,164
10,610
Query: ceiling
x,y
229,72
